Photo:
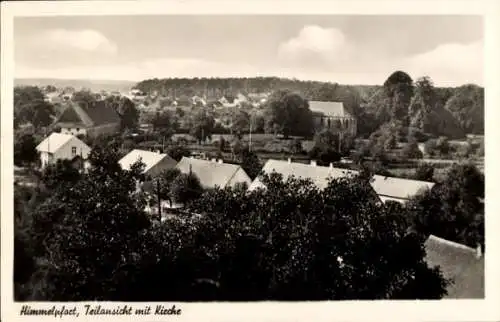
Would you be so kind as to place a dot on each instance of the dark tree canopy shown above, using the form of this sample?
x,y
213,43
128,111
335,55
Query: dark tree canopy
x,y
453,209
25,149
398,89
467,105
288,113
202,125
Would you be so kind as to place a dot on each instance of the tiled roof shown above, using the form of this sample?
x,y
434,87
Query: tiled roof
x,y
89,115
398,188
458,263
210,173
54,142
335,109
150,159
318,174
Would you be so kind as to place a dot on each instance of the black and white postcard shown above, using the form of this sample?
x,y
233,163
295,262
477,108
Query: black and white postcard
x,y
269,161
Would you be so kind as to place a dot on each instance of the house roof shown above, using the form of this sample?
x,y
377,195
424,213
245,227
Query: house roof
x,y
398,188
210,173
334,109
318,174
458,263
89,115
54,142
150,159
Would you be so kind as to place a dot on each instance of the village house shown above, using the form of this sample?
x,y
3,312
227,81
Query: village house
x,y
229,101
463,265
198,101
155,162
88,119
398,189
59,146
333,116
214,173
319,175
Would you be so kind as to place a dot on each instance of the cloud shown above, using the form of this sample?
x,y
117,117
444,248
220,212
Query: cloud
x,y
315,46
447,65
86,40
450,63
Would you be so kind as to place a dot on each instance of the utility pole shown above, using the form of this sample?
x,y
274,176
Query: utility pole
x,y
250,135
159,198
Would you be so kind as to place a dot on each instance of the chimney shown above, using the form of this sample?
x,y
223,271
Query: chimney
x,y
289,160
313,163
220,161
479,251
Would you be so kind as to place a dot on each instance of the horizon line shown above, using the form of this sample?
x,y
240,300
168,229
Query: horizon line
x,y
217,77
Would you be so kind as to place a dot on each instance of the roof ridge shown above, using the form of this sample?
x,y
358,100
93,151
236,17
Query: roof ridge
x,y
234,173
450,243
403,179
86,119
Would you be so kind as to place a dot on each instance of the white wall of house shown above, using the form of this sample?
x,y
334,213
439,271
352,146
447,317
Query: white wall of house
x,y
68,151
103,129
239,177
45,158
385,199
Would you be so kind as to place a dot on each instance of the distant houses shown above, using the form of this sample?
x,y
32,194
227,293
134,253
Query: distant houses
x,y
333,116
88,119
155,162
398,189
461,264
59,146
214,173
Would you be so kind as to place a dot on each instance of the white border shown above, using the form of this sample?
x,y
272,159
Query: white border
x,y
445,310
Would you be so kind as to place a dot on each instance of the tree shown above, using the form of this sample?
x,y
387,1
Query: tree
x,y
288,113
30,107
222,145
411,150
60,174
177,151
126,109
438,147
186,187
167,178
326,147
295,146
467,106
84,97
91,254
241,122
292,241
202,125
251,163
453,209
25,149
422,105
425,172
398,89
258,123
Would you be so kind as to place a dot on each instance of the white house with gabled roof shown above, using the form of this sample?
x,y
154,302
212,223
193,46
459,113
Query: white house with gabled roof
x,y
59,146
154,162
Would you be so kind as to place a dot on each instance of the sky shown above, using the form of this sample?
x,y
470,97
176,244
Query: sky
x,y
353,49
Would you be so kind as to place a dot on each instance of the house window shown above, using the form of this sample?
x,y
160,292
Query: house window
x,y
77,129
73,151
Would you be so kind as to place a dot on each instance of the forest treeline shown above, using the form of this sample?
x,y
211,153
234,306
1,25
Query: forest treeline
x,y
438,111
